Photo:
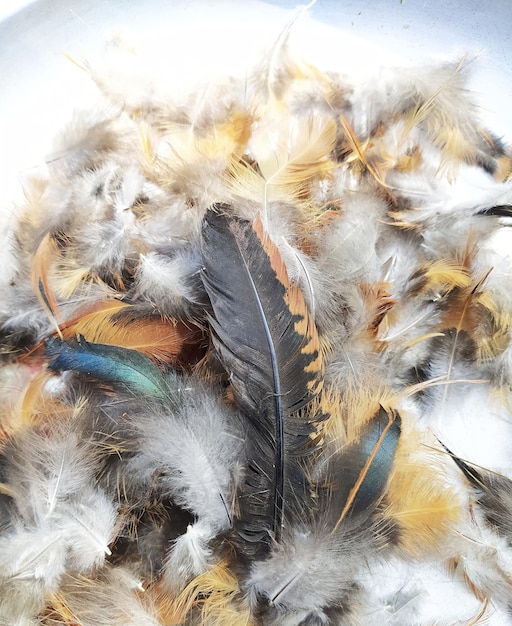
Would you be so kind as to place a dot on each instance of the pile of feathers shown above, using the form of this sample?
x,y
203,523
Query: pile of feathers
x,y
256,358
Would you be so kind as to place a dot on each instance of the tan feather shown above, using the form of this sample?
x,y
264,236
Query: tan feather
x,y
357,153
216,594
288,155
419,498
44,258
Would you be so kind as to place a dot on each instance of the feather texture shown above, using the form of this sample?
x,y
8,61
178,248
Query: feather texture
x,y
239,318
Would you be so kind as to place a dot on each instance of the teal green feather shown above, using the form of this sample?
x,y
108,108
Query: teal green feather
x,y
122,367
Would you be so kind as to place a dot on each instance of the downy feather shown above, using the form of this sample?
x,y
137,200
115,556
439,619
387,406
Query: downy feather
x,y
112,596
62,521
195,446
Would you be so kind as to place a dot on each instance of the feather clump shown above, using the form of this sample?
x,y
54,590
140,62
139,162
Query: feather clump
x,y
256,359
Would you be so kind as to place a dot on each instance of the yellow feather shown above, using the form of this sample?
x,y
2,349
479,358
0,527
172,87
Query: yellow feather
x,y
215,593
184,151
419,498
350,412
290,153
444,275
492,334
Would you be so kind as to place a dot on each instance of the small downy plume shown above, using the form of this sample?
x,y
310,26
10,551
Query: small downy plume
x,y
192,454
190,161
32,565
171,284
60,520
113,596
415,324
214,597
289,156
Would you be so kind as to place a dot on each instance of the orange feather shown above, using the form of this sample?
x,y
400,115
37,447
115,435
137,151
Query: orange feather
x,y
116,323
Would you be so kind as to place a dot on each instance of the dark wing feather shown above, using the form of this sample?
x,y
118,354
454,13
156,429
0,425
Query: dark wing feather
x,y
268,343
358,473
493,493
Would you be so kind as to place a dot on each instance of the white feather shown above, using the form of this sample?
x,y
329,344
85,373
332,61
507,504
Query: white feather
x,y
197,452
189,555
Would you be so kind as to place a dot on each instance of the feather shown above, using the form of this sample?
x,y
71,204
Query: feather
x,y
289,155
420,501
171,285
365,465
123,367
192,453
191,156
435,104
494,495
111,596
42,261
356,152
195,445
31,565
35,401
113,323
268,343
61,521
216,593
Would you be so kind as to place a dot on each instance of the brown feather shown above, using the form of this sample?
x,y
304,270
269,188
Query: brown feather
x,y
44,257
115,323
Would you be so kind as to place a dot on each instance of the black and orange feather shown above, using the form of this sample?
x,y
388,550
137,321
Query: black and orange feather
x,y
269,346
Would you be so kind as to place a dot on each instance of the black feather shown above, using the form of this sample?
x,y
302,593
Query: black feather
x,y
268,344
494,495
502,210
